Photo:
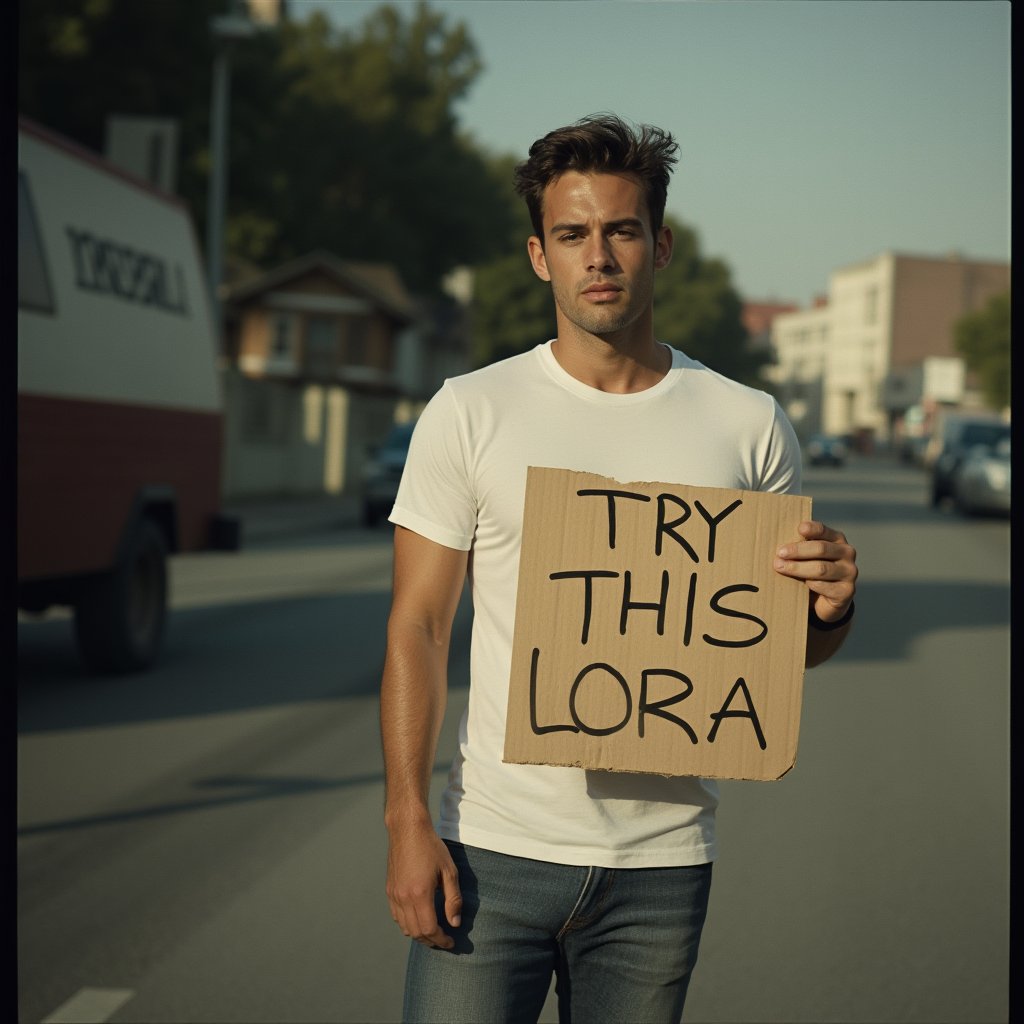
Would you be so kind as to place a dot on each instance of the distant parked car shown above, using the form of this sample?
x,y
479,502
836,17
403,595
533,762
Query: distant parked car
x,y
826,450
384,472
982,482
961,433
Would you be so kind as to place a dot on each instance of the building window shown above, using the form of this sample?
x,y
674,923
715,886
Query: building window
x,y
871,305
282,339
850,410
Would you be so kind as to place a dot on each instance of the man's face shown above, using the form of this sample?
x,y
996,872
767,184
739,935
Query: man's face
x,y
599,253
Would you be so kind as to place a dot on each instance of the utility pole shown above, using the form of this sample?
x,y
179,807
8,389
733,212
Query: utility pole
x,y
226,29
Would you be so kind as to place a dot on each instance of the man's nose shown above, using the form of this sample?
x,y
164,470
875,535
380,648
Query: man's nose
x,y
599,253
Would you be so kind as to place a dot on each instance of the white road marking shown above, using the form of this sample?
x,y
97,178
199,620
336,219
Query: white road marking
x,y
90,1006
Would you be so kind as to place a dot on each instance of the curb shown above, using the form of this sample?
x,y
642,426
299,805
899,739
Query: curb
x,y
284,518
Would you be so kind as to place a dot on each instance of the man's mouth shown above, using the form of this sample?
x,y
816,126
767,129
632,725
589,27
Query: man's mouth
x,y
601,292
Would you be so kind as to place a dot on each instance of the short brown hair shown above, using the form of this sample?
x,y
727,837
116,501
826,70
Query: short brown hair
x,y
605,144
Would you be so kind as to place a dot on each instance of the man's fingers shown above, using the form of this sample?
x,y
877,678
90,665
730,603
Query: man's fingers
x,y
415,911
420,869
419,921
824,562
823,556
429,931
831,550
808,568
812,529
452,897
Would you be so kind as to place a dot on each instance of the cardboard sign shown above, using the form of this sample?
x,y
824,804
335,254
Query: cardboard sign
x,y
652,633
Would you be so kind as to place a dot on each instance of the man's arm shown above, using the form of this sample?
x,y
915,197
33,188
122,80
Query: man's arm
x,y
827,564
428,580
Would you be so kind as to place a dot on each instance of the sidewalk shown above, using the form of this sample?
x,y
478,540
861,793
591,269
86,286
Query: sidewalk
x,y
266,518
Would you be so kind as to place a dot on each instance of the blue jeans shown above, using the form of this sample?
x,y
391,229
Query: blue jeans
x,y
620,942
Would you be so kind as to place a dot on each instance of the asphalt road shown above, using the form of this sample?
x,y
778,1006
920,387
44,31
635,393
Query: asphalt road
x,y
203,843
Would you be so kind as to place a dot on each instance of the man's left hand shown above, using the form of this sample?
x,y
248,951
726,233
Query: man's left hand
x,y
827,564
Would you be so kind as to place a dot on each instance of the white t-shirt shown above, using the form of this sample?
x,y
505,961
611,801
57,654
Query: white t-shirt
x,y
463,487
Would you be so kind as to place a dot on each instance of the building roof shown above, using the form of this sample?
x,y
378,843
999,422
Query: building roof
x,y
379,282
758,316
953,256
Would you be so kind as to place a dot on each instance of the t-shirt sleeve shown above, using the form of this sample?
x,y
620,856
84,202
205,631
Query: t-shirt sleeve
x,y
782,463
435,496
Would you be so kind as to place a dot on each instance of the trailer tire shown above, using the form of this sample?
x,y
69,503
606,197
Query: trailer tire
x,y
119,617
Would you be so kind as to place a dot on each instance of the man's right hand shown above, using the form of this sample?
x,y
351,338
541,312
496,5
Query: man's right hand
x,y
429,579
418,865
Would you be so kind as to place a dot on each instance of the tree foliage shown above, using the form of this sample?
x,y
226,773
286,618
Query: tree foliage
x,y
512,308
697,309
983,339
346,141
369,161
80,60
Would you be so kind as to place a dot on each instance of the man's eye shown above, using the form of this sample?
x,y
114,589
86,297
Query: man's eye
x,y
625,232
569,236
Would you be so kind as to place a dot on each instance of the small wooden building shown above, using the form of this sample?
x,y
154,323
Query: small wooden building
x,y
318,354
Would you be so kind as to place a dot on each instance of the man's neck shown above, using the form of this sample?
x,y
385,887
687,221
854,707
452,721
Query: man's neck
x,y
613,364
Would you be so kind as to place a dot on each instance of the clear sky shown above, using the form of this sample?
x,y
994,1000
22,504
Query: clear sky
x,y
813,133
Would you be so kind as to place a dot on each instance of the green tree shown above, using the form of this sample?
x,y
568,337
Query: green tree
x,y
512,308
342,140
80,60
361,153
697,310
983,339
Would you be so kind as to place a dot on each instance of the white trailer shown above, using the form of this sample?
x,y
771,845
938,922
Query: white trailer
x,y
119,398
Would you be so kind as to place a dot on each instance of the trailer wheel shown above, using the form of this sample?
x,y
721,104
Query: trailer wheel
x,y
119,617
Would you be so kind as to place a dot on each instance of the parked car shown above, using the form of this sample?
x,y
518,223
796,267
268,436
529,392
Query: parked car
x,y
961,433
383,473
981,485
826,450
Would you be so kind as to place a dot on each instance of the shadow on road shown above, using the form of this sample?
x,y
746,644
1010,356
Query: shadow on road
x,y
262,654
891,616
235,790
229,657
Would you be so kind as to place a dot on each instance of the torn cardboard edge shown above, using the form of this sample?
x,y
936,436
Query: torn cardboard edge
x,y
652,633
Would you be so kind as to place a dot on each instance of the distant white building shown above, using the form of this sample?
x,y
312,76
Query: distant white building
x,y
800,342
878,353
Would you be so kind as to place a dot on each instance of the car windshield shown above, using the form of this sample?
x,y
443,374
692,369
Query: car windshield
x,y
983,433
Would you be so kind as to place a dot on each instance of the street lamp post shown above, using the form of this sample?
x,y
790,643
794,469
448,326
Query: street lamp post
x,y
226,29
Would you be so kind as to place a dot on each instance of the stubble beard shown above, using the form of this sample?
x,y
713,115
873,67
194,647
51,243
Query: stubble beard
x,y
603,319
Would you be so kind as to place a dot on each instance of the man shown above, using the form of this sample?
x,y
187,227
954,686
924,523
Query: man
x,y
600,878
